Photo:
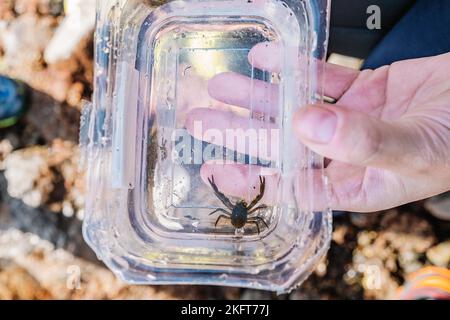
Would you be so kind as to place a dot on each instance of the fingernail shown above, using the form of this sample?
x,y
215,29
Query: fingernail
x,y
316,124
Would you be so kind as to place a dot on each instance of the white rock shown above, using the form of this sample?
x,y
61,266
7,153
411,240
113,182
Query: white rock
x,y
28,175
78,23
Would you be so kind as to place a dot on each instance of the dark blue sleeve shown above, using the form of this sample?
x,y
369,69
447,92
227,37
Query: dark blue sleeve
x,y
424,31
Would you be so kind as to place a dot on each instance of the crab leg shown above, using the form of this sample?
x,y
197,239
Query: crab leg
x,y
220,217
262,187
220,210
219,194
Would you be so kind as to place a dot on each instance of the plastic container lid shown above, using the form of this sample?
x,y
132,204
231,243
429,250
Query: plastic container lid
x,y
193,172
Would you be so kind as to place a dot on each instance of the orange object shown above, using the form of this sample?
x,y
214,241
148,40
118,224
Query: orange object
x,y
428,283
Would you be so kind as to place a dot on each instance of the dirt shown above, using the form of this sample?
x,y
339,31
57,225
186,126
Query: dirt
x,y
369,258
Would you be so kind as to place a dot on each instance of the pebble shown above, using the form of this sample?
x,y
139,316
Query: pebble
x,y
439,206
439,255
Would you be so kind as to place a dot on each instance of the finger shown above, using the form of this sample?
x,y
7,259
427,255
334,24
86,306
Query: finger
x,y
260,96
266,56
239,90
242,134
357,138
337,79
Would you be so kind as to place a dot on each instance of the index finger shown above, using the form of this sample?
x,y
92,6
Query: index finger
x,y
337,79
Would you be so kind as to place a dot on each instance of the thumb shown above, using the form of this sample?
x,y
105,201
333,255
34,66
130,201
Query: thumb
x,y
357,138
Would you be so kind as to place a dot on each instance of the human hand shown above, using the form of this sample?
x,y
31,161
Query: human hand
x,y
388,135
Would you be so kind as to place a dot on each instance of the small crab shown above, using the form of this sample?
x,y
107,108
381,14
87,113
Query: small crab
x,y
241,213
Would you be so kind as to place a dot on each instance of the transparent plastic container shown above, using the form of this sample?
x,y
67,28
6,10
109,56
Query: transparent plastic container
x,y
173,184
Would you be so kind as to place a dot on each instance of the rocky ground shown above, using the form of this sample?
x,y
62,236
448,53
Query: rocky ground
x,y
42,253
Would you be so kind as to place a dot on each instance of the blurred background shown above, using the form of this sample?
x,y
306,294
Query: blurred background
x,y
46,46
